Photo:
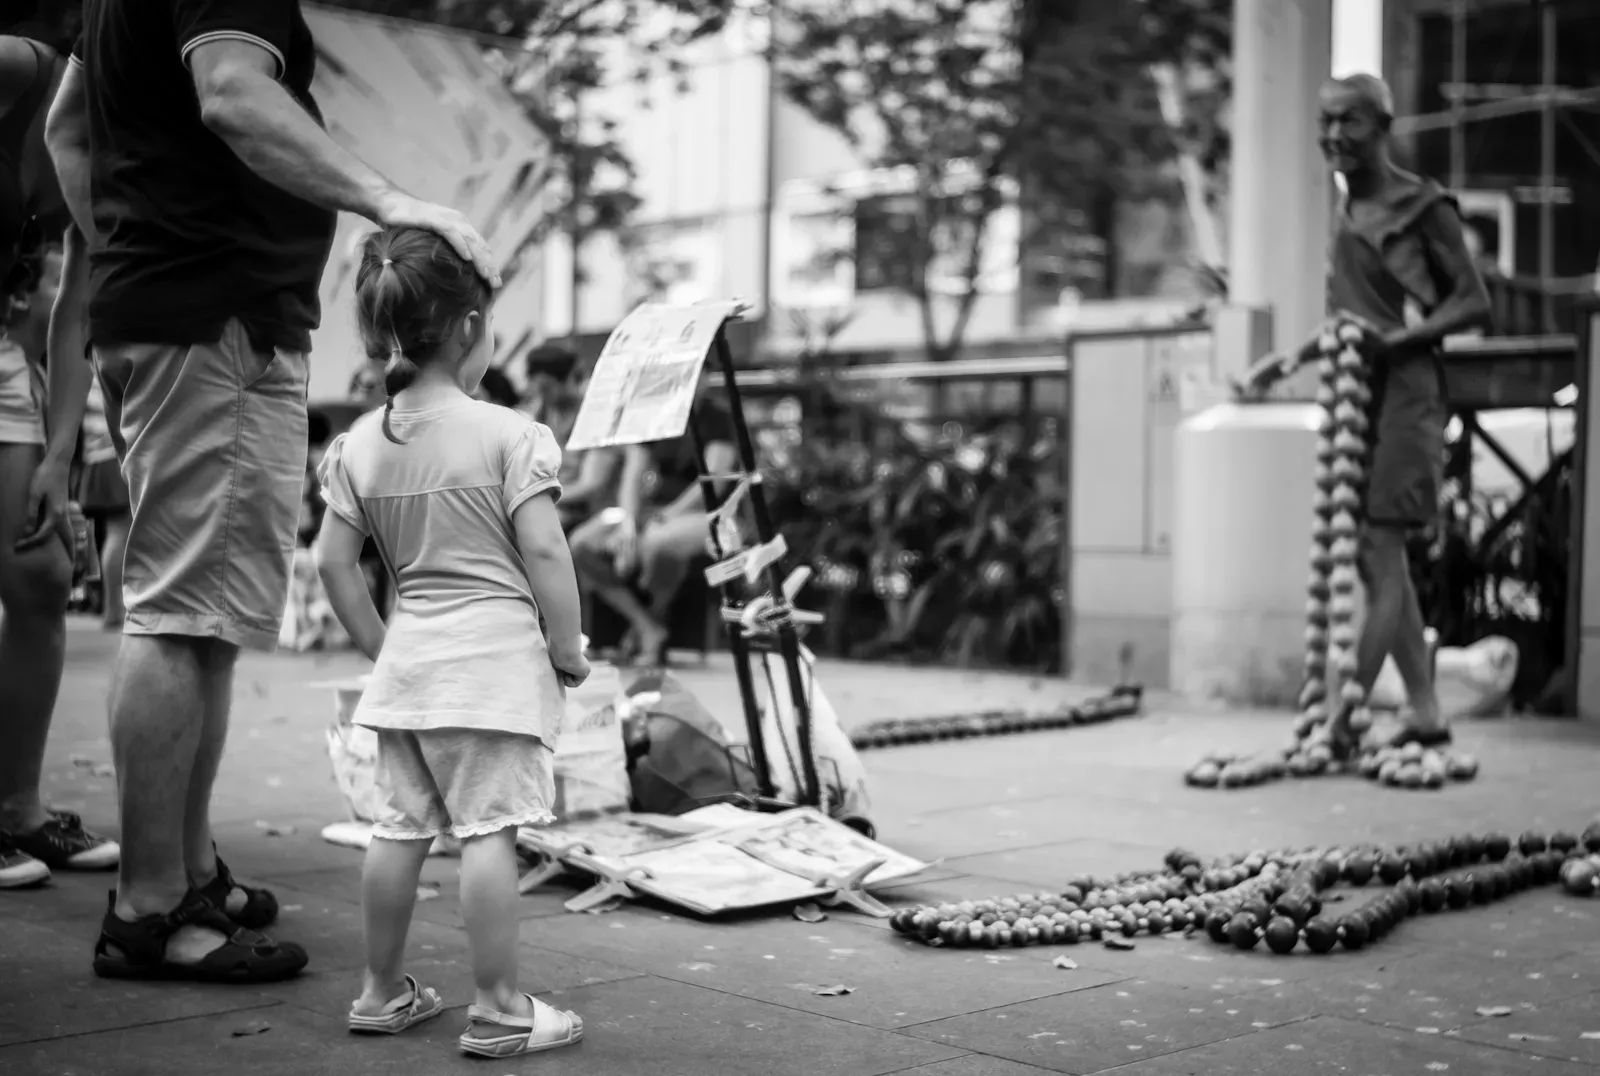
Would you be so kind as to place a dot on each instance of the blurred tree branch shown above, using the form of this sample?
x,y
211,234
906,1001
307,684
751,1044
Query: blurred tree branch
x,y
1055,97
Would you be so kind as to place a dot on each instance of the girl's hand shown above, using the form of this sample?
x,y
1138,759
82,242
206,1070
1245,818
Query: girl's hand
x,y
572,670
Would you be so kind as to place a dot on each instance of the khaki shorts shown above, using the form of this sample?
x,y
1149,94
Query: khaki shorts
x,y
212,439
464,782
21,414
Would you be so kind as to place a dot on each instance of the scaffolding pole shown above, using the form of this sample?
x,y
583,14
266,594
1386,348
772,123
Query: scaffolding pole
x,y
1547,164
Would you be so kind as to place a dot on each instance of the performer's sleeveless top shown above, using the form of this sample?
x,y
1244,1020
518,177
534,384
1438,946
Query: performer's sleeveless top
x,y
1381,266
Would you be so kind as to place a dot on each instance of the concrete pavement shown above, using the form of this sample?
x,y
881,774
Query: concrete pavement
x,y
664,994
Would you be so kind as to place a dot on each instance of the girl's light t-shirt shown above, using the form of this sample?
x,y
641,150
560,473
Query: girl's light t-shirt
x,y
465,647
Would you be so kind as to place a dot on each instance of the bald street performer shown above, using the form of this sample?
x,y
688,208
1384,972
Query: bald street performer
x,y
1398,264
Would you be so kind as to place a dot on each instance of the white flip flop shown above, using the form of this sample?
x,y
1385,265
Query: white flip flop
x,y
548,1028
407,1010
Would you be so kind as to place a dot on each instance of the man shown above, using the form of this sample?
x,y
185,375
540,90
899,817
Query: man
x,y
636,555
1400,266
35,563
214,188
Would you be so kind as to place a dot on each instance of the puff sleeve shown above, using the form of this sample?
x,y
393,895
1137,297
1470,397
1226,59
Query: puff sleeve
x,y
533,463
337,493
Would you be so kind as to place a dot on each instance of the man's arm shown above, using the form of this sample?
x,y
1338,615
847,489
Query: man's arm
x,y
66,136
242,103
595,473
1467,305
70,370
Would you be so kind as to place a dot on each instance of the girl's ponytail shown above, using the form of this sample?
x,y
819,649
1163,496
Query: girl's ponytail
x,y
398,375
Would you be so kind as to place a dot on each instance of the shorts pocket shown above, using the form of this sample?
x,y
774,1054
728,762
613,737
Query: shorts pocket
x,y
264,371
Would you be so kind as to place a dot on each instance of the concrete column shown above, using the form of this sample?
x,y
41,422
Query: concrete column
x,y
1280,188
1242,520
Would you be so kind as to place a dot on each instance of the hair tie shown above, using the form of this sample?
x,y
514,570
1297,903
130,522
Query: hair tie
x,y
388,261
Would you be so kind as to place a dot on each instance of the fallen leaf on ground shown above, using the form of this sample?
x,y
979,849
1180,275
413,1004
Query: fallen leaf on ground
x,y
273,829
254,1027
809,913
1122,944
834,991
83,762
1494,1010
1065,962
427,891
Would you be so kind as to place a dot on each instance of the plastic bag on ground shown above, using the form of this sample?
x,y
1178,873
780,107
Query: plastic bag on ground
x,y
840,773
1471,681
591,762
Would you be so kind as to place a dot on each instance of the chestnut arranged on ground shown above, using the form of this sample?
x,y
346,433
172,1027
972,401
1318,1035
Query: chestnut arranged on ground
x,y
1124,700
1410,766
1272,898
1329,686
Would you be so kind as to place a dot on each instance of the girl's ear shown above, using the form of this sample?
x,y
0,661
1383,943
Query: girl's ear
x,y
471,326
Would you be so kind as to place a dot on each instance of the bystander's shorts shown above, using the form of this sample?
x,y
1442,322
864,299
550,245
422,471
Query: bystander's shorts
x,y
21,413
212,439
464,782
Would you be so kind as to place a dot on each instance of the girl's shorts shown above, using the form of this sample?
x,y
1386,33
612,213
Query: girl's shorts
x,y
464,782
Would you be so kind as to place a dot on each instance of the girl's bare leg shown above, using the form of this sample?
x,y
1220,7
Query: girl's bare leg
x,y
388,894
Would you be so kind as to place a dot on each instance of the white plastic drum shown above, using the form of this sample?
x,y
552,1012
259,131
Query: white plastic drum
x,y
1241,530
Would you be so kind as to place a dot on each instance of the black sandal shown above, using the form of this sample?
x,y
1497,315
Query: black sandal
x,y
260,906
1409,734
138,950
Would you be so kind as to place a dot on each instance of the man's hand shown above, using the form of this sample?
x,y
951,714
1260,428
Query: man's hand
x,y
1262,375
404,211
47,506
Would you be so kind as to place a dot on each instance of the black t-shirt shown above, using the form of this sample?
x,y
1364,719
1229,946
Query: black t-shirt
x,y
673,460
189,236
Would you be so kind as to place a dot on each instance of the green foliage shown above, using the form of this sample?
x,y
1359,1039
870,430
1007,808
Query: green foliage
x,y
927,545
1053,95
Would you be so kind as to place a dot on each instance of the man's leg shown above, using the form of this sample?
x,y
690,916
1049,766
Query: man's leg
x,y
213,445
157,715
1394,625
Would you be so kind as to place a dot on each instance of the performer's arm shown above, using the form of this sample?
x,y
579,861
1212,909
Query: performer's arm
x,y
1466,307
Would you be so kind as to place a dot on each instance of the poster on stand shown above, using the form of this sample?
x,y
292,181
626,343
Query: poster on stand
x,y
644,384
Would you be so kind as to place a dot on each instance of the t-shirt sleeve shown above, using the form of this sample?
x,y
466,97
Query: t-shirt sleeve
x,y
533,465
337,493
267,24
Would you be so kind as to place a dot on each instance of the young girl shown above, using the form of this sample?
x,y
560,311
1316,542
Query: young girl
x,y
469,678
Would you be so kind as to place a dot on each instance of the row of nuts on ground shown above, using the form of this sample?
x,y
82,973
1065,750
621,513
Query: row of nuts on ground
x,y
1274,898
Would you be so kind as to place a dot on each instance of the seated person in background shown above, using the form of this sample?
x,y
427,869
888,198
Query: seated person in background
x,y
556,381
636,556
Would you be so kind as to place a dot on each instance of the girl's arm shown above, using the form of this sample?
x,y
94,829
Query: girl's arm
x,y
339,564
554,582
